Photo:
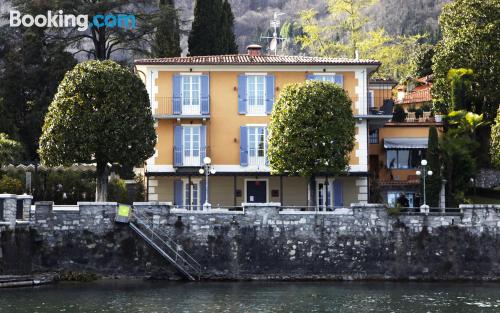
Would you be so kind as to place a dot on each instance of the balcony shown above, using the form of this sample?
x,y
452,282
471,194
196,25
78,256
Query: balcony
x,y
189,158
177,108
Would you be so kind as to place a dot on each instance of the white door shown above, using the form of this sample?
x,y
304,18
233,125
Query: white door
x,y
191,195
257,145
191,146
191,95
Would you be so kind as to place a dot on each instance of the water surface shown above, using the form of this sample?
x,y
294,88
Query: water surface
x,y
215,297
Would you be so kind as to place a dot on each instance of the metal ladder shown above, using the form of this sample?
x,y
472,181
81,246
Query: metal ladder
x,y
159,240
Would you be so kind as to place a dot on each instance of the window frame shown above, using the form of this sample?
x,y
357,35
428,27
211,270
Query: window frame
x,y
193,100
252,107
254,131
410,162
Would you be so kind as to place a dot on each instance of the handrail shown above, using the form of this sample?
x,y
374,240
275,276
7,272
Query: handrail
x,y
182,254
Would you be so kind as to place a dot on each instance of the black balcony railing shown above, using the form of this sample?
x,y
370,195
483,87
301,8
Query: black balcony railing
x,y
191,157
173,106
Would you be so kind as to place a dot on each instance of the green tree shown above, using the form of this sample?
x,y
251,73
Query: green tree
x,y
421,60
433,187
344,33
457,152
205,30
10,150
460,88
101,115
227,40
311,131
471,39
166,39
495,142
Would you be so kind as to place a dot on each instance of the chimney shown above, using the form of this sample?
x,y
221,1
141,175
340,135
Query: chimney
x,y
254,50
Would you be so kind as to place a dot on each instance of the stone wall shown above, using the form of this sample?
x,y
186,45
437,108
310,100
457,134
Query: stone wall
x,y
263,242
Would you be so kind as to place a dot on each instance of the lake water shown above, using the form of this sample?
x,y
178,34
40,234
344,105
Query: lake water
x,y
211,297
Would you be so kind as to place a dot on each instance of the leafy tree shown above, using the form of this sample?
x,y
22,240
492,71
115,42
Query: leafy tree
x,y
433,187
311,131
227,40
166,40
10,150
460,88
344,33
471,39
457,152
29,75
495,142
100,115
205,30
421,60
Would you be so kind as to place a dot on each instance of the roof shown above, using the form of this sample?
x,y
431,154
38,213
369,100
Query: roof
x,y
264,59
419,94
405,143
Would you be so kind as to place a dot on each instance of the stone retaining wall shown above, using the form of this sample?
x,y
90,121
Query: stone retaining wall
x,y
360,242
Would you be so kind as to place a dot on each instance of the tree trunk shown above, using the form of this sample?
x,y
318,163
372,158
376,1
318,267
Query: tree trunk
x,y
312,190
101,191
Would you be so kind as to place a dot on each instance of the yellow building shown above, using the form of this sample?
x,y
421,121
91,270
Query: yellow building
x,y
396,149
219,106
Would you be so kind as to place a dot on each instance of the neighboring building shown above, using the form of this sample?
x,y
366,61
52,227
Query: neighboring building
x,y
219,106
395,150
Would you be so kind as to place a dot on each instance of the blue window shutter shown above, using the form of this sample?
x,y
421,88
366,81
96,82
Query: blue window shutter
x,y
178,189
242,94
339,79
269,93
243,146
205,95
310,77
337,193
203,192
203,140
178,145
176,99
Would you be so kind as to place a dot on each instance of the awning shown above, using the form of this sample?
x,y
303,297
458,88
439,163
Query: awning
x,y
405,143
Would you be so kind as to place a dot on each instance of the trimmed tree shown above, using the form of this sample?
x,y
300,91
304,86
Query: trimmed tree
x,y
101,115
433,187
311,131
495,142
166,42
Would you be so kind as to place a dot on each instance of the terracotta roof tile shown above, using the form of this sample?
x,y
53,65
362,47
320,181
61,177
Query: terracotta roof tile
x,y
418,94
245,59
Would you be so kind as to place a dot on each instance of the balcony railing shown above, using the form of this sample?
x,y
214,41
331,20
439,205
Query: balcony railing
x,y
182,159
171,107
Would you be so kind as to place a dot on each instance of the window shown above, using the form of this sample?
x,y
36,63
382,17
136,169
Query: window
x,y
392,197
191,145
257,147
373,137
256,97
404,158
371,99
191,94
337,79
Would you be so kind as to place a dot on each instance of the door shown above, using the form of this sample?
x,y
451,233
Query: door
x,y
191,146
191,95
374,164
323,195
191,196
256,191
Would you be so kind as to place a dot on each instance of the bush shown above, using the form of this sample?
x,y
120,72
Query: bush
x,y
399,114
11,185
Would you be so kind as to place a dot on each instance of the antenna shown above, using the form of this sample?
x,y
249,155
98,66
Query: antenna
x,y
275,23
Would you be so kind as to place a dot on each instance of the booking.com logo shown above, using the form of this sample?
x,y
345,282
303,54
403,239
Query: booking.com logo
x,y
58,19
